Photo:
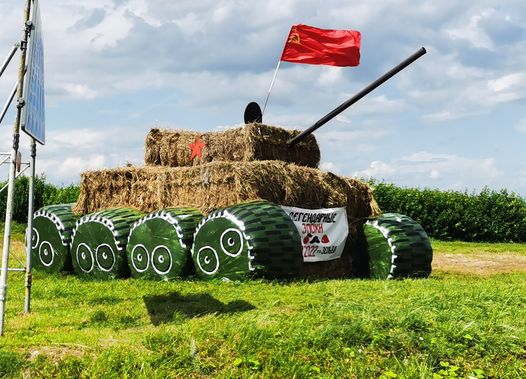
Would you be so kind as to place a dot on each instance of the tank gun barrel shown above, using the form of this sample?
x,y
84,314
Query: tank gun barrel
x,y
336,111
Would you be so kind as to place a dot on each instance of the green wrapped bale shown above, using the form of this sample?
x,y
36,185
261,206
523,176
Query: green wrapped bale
x,y
255,239
159,244
398,247
51,238
98,246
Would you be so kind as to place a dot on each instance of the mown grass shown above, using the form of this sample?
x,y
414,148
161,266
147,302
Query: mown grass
x,y
17,231
444,327
459,247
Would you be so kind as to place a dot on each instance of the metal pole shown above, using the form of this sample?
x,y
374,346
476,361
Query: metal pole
x,y
8,156
17,175
12,171
270,89
8,103
335,112
29,231
9,57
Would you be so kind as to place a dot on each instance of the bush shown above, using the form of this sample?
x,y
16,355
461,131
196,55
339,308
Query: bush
x,y
45,194
488,216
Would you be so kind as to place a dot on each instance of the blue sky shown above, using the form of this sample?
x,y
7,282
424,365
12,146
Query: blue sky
x,y
455,119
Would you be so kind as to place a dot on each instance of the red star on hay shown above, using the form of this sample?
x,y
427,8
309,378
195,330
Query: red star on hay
x,y
197,148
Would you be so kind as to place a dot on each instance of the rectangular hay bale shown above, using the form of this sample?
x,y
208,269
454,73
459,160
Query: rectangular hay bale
x,y
220,184
170,147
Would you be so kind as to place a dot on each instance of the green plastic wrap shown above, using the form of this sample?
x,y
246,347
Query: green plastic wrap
x,y
398,247
159,244
255,239
51,238
98,246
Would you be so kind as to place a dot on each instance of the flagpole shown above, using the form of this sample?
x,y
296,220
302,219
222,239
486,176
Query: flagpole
x,y
270,89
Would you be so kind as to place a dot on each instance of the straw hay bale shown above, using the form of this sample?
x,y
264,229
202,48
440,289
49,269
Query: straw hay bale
x,y
220,184
252,142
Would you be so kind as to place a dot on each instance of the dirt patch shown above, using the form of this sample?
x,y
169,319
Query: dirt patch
x,y
479,264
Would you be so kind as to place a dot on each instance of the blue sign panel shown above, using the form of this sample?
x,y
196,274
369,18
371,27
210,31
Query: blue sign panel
x,y
33,119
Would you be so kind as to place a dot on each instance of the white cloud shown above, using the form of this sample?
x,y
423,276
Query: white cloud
x,y
330,166
377,169
329,76
379,104
342,119
434,174
442,116
461,91
68,153
521,125
507,88
299,120
67,170
140,8
350,137
472,31
190,24
76,138
78,164
421,166
79,91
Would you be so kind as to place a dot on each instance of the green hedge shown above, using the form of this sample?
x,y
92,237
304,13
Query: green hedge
x,y
488,216
45,194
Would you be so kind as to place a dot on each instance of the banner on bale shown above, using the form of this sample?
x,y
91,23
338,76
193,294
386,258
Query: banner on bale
x,y
323,232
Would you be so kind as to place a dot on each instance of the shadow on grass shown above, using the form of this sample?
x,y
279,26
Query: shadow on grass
x,y
163,308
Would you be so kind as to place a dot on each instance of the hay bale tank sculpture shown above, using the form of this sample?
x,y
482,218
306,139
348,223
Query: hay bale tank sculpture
x,y
211,203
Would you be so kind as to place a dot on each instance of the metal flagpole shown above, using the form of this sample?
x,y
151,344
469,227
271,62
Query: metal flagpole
x,y
270,89
29,231
12,170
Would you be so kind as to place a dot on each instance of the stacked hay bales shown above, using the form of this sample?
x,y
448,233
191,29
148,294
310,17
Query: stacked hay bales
x,y
235,166
220,184
253,142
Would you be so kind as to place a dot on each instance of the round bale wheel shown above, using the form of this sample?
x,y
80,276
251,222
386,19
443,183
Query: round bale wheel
x,y
51,238
98,247
398,247
255,239
159,244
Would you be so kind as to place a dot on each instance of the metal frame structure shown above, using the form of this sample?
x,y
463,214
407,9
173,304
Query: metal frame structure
x,y
13,162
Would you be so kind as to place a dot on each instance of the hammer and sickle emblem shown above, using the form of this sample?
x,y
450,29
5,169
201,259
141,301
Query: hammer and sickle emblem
x,y
294,38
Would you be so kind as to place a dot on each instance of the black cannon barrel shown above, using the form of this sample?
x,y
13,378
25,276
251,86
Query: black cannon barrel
x,y
335,112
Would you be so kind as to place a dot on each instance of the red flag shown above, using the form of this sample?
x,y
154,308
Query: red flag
x,y
307,44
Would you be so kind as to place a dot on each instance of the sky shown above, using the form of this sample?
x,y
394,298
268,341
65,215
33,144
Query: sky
x,y
453,120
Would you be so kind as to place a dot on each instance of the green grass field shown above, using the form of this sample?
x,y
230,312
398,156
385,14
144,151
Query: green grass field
x,y
456,324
